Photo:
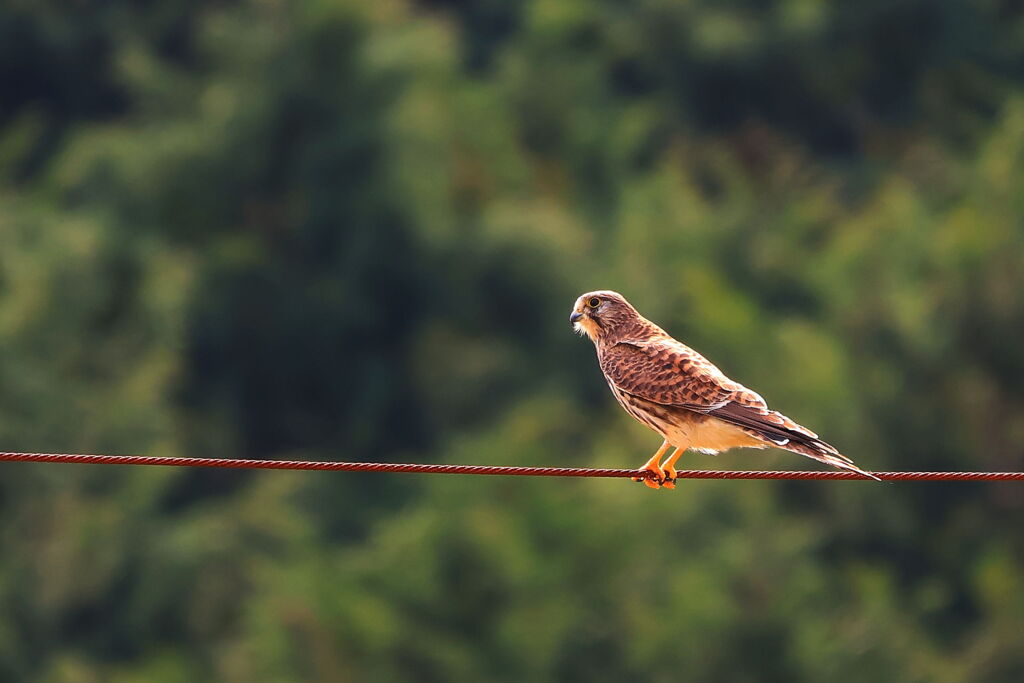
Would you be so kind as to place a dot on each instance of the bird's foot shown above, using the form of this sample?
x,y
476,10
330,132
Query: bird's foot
x,y
656,477
669,480
652,480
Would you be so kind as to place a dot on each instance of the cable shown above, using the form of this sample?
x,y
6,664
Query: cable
x,y
492,470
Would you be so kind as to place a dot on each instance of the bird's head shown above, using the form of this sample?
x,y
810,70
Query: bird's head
x,y
603,314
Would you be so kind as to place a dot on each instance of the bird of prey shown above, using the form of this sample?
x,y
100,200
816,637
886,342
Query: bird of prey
x,y
678,393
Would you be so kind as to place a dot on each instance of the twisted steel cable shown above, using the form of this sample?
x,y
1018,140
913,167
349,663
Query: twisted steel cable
x,y
229,463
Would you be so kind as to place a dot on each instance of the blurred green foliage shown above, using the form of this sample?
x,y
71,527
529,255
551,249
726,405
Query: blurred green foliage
x,y
354,231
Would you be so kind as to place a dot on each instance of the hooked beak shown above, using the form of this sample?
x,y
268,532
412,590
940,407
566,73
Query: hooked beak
x,y
574,317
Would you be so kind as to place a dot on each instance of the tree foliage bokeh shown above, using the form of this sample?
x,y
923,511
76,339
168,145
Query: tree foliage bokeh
x,y
353,231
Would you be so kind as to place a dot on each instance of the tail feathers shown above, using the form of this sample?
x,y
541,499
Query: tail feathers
x,y
781,432
823,452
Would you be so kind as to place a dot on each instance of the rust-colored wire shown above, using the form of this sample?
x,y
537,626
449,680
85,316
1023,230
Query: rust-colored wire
x,y
839,475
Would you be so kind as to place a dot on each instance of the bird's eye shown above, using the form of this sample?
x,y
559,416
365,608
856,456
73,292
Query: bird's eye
x,y
594,302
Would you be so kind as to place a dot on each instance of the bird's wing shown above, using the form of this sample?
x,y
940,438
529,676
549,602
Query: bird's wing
x,y
667,372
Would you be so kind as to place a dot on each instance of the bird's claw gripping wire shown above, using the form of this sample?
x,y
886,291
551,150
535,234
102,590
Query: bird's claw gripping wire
x,y
653,479
651,473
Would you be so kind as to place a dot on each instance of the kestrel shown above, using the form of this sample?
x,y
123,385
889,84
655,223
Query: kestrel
x,y
678,393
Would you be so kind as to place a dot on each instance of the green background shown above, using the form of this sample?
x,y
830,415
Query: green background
x,y
354,231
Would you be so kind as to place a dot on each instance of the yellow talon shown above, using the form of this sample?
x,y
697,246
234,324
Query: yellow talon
x,y
669,480
653,467
669,473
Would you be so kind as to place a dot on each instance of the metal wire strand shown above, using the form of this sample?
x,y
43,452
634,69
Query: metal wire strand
x,y
835,475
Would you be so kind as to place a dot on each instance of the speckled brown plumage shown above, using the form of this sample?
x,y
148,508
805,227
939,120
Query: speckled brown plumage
x,y
678,393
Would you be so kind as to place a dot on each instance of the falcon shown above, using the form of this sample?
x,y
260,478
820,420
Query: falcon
x,y
678,393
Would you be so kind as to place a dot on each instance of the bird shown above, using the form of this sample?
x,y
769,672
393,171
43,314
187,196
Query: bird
x,y
678,393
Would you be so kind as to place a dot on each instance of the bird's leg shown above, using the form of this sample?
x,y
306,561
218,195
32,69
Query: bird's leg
x,y
652,466
669,480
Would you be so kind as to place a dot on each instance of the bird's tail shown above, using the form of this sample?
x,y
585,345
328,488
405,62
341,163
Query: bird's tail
x,y
823,452
776,429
